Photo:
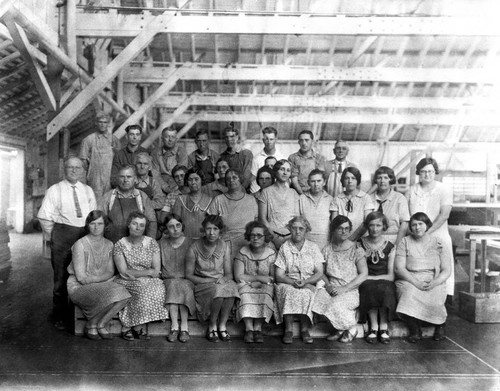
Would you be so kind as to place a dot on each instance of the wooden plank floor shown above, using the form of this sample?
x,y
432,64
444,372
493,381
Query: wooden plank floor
x,y
34,355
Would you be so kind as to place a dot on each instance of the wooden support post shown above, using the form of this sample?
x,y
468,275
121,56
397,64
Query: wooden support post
x,y
70,36
119,88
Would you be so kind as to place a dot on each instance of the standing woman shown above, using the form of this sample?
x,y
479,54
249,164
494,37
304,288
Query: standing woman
x,y
254,273
236,208
279,203
298,268
435,200
218,186
345,270
137,258
192,208
265,178
377,294
91,274
392,204
179,291
353,202
422,268
209,267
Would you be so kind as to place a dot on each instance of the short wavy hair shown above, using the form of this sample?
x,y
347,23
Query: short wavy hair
x,y
93,216
426,161
299,219
352,170
257,224
337,222
136,215
270,171
237,172
376,215
385,170
174,216
213,219
421,216
197,171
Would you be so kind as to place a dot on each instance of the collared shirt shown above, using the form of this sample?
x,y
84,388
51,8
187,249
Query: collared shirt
x,y
258,161
361,203
317,212
163,160
302,165
395,208
123,157
202,162
58,205
240,160
333,173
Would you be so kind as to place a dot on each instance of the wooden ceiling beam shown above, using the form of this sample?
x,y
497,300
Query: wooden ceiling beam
x,y
346,117
122,25
317,73
23,45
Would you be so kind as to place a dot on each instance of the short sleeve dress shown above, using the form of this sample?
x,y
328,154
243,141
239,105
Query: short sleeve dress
x,y
210,264
93,298
298,265
340,269
192,214
148,294
178,289
255,302
376,293
423,260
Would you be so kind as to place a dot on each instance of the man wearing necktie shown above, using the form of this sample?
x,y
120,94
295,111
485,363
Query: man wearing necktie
x,y
62,217
336,166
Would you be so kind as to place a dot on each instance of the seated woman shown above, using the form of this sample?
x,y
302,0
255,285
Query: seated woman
x,y
345,270
422,268
208,266
179,291
236,209
298,268
254,272
193,207
91,274
377,294
137,258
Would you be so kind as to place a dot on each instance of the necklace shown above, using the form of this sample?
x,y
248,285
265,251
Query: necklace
x,y
375,253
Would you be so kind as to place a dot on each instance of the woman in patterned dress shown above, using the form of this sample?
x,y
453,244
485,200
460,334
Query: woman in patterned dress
x,y
345,270
179,291
377,294
208,266
91,274
137,258
254,273
422,267
298,268
279,203
353,202
193,207
236,208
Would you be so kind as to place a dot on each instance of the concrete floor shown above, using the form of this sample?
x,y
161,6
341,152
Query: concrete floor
x,y
34,355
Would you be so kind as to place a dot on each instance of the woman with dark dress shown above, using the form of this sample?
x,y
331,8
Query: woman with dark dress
x,y
377,294
179,291
208,266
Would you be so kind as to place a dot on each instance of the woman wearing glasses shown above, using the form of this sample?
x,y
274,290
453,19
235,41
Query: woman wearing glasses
x,y
254,272
435,200
353,202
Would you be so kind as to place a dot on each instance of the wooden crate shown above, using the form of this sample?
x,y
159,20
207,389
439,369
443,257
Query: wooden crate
x,y
480,307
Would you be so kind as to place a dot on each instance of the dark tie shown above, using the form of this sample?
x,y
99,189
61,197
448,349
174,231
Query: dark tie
x,y
77,204
380,203
339,168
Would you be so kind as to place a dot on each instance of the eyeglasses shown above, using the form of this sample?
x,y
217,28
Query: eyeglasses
x,y
426,172
256,236
348,206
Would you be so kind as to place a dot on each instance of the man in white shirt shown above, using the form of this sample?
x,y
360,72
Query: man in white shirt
x,y
62,215
269,138
335,167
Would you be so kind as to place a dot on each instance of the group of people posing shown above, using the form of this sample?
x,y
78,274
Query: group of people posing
x,y
259,236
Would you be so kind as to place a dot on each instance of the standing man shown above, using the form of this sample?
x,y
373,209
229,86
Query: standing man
x,y
237,157
316,205
62,216
304,161
336,166
167,157
126,155
269,137
96,152
120,202
203,158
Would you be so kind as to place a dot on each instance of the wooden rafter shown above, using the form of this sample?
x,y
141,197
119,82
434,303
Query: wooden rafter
x,y
24,46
